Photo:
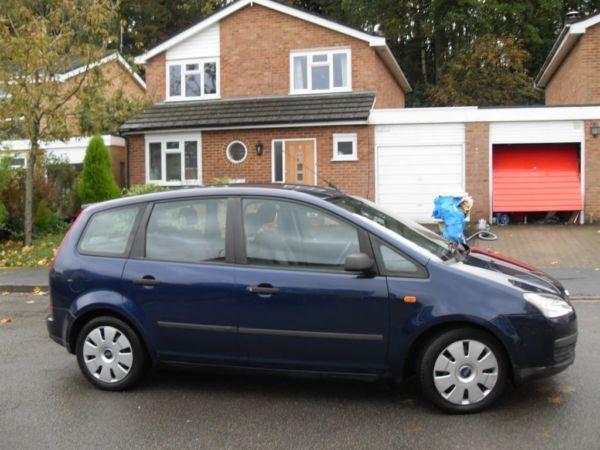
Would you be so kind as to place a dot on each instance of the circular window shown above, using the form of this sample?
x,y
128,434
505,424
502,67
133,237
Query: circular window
x,y
236,152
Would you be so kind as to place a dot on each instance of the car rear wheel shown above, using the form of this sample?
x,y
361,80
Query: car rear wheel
x,y
110,354
463,370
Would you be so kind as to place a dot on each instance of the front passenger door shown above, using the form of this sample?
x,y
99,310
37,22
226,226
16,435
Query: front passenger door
x,y
298,307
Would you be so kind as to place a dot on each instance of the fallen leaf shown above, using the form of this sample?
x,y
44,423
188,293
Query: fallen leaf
x,y
556,400
554,263
30,302
412,428
544,390
38,291
6,319
565,389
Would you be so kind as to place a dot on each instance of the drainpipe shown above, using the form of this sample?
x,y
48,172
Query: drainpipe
x,y
127,175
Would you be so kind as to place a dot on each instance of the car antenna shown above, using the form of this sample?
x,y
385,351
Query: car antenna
x,y
325,180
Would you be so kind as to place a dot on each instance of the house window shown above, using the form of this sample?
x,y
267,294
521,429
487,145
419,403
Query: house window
x,y
173,161
344,147
193,80
17,163
320,71
236,152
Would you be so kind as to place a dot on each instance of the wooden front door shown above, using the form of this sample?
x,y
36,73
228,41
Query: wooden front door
x,y
300,162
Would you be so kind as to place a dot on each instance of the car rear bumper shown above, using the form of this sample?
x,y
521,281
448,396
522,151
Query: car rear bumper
x,y
563,355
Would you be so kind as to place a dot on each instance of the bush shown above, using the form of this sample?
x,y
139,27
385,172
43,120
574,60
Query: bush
x,y
97,180
140,189
42,219
2,216
62,181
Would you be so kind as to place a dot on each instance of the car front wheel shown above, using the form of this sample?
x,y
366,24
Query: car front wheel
x,y
463,370
110,354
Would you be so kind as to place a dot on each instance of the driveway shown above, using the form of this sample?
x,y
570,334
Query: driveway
x,y
45,402
570,253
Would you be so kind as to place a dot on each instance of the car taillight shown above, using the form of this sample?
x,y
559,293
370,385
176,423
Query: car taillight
x,y
64,239
51,310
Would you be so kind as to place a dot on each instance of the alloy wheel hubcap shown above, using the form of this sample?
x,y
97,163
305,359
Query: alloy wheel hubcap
x,y
465,372
107,354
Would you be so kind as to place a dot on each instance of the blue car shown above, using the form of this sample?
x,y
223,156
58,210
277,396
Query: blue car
x,y
300,280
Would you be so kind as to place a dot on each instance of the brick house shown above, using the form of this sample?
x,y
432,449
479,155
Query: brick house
x,y
119,76
571,73
263,92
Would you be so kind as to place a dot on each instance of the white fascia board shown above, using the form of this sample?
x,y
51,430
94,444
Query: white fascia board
x,y
575,31
73,143
580,27
406,116
84,68
563,50
116,55
236,6
250,127
390,61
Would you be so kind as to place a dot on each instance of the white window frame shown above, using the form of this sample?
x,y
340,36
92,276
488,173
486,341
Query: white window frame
x,y
232,161
182,63
345,137
309,54
181,140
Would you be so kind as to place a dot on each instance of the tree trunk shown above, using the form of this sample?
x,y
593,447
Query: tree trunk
x,y
28,223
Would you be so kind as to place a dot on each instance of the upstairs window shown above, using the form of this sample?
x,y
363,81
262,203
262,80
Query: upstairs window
x,y
192,80
320,71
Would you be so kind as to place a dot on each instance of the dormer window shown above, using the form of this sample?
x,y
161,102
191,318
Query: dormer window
x,y
193,80
320,71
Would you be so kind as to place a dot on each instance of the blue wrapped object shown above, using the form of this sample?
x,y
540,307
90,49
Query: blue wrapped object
x,y
447,208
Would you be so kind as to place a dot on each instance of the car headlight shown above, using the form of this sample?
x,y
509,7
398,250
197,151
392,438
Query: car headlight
x,y
550,305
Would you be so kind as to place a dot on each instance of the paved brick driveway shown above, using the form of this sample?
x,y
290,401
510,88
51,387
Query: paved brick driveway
x,y
559,246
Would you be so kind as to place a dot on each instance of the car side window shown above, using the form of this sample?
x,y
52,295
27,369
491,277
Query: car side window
x,y
108,232
187,231
397,264
280,233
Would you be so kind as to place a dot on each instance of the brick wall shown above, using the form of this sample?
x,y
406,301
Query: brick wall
x,y
356,177
477,138
592,174
577,80
137,159
255,57
118,156
155,78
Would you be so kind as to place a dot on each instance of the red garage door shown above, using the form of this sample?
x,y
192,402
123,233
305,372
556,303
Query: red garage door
x,y
536,178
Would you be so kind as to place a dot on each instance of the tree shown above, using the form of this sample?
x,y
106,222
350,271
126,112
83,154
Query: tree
x,y
491,73
39,41
97,180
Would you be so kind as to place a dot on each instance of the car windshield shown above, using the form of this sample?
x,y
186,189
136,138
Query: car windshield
x,y
412,231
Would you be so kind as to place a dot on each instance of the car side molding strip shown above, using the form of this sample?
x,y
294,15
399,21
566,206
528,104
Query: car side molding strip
x,y
272,332
198,326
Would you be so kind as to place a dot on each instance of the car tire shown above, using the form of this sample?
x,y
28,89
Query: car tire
x,y
463,370
110,354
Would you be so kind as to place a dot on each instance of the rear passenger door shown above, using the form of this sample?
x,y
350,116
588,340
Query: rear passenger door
x,y
181,279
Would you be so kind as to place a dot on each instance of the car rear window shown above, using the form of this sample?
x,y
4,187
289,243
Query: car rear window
x,y
108,232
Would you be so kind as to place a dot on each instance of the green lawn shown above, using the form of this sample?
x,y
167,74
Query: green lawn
x,y
39,254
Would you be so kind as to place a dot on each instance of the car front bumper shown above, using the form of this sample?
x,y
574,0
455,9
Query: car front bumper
x,y
563,357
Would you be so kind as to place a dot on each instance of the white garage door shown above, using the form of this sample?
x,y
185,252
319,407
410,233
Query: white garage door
x,y
413,169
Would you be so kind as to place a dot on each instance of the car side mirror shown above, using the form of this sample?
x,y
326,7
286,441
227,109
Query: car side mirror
x,y
359,262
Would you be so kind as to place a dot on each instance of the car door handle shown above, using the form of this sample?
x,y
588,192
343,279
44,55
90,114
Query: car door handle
x,y
262,290
146,281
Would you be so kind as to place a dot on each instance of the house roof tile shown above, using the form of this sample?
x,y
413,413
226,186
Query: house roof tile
x,y
242,112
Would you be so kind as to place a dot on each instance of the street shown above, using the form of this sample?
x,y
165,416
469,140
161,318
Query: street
x,y
46,402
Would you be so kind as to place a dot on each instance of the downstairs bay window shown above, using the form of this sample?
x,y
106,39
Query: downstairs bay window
x,y
173,161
